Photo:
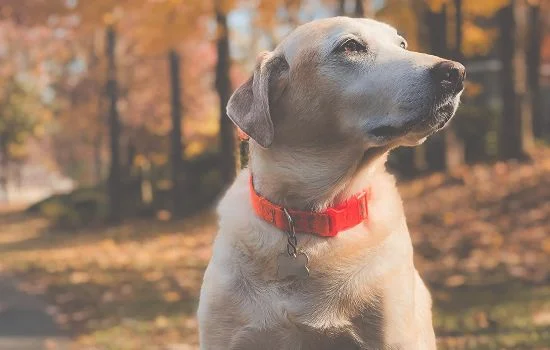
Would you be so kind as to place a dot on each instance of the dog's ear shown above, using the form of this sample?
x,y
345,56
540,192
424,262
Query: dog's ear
x,y
249,106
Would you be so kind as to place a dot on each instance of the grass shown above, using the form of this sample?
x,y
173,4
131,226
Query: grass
x,y
511,315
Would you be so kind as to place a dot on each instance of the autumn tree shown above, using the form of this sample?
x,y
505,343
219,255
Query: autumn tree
x,y
115,181
18,119
97,105
158,31
341,7
175,133
535,33
437,29
146,32
223,87
361,8
454,146
99,12
23,113
515,133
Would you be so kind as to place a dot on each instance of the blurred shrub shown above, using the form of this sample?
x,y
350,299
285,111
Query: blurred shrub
x,y
87,206
202,185
80,207
477,126
402,162
243,153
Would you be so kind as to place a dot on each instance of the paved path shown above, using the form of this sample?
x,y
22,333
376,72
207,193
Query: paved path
x,y
24,322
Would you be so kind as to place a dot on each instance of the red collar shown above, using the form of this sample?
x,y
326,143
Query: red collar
x,y
326,223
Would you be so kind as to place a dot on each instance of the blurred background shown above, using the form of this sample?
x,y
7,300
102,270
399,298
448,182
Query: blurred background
x,y
115,146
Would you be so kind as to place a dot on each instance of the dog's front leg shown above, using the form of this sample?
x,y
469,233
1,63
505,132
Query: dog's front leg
x,y
423,315
408,315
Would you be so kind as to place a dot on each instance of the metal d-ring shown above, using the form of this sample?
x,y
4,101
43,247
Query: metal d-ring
x,y
292,240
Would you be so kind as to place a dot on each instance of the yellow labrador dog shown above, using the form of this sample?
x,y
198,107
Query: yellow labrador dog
x,y
313,250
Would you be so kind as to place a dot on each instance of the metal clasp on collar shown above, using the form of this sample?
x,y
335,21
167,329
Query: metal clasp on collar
x,y
363,208
294,264
292,240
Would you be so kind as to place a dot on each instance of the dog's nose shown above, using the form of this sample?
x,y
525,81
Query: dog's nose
x,y
449,75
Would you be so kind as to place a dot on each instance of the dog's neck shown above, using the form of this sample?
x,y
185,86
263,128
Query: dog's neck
x,y
312,180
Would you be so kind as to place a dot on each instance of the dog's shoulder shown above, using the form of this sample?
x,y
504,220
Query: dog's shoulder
x,y
235,204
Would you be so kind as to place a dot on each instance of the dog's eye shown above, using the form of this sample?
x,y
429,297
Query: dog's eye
x,y
352,46
403,44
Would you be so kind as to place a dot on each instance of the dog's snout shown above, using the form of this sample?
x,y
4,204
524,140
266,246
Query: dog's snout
x,y
449,75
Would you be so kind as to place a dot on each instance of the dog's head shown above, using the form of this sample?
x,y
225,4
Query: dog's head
x,y
344,80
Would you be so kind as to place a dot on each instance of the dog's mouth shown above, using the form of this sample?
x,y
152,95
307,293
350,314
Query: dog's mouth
x,y
442,115
438,116
387,131
433,118
410,132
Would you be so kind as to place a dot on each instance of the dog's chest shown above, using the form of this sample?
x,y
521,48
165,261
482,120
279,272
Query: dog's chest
x,y
308,315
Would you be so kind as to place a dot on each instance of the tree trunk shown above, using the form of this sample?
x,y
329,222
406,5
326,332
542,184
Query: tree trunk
x,y
459,29
533,66
454,146
436,144
359,9
4,171
18,175
176,136
341,7
515,134
98,142
115,183
130,156
363,8
223,87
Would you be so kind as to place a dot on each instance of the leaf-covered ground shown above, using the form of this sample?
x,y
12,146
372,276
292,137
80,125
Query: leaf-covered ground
x,y
482,243
482,240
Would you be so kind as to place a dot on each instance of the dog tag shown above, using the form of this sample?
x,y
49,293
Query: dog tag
x,y
292,267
